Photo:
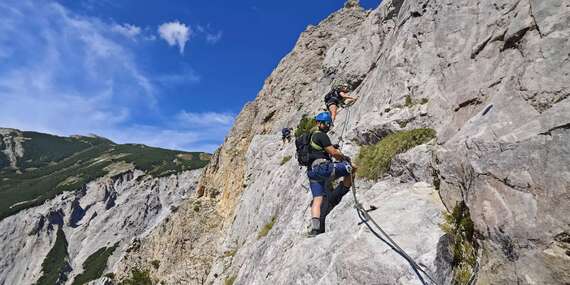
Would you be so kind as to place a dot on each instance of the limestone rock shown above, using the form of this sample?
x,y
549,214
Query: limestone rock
x,y
107,211
491,77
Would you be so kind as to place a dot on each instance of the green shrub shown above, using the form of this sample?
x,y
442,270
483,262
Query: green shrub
x,y
94,265
230,280
459,226
285,159
138,277
55,264
375,160
266,228
306,125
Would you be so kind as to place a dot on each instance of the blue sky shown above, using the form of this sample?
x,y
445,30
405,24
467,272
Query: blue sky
x,y
171,74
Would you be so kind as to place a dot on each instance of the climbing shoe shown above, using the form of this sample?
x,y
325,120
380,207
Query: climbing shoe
x,y
315,228
313,233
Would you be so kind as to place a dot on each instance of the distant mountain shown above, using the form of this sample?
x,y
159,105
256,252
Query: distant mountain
x,y
35,167
70,207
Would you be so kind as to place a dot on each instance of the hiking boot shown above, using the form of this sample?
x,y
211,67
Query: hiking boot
x,y
313,233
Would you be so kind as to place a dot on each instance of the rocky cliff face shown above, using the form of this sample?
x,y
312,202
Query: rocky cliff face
x,y
110,212
72,207
492,78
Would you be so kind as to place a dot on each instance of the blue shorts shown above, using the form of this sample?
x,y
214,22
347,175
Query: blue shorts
x,y
322,174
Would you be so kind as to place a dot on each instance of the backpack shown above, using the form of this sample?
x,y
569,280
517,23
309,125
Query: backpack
x,y
332,95
303,146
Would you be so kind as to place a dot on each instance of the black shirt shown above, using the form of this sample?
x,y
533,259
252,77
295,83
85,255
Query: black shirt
x,y
321,139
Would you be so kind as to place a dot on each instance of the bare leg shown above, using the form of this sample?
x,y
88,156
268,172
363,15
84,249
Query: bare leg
x,y
333,110
316,207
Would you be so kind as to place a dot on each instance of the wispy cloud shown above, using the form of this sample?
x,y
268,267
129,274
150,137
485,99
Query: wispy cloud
x,y
205,119
67,74
175,33
127,30
187,76
214,38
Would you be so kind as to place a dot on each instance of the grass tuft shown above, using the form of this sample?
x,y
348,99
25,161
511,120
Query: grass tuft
x,y
459,226
266,228
375,160
138,277
408,101
285,159
230,280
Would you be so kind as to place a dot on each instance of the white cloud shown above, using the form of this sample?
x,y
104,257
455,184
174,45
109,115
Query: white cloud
x,y
175,33
127,30
205,119
188,76
214,38
66,74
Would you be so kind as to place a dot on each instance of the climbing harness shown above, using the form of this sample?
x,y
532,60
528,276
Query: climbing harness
x,y
366,219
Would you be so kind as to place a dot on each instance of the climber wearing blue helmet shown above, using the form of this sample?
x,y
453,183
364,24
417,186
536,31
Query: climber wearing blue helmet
x,y
322,171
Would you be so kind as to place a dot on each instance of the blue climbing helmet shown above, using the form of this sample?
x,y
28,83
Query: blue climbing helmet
x,y
324,117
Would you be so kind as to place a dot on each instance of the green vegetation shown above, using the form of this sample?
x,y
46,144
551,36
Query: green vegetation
x,y
306,125
197,206
42,149
285,159
55,265
4,162
266,228
67,164
230,253
138,277
230,280
94,265
459,226
155,263
408,101
375,160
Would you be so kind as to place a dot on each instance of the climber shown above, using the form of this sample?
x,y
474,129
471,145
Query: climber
x,y
322,171
286,135
338,97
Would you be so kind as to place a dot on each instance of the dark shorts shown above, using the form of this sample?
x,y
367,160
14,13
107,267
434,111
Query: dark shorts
x,y
331,102
322,174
